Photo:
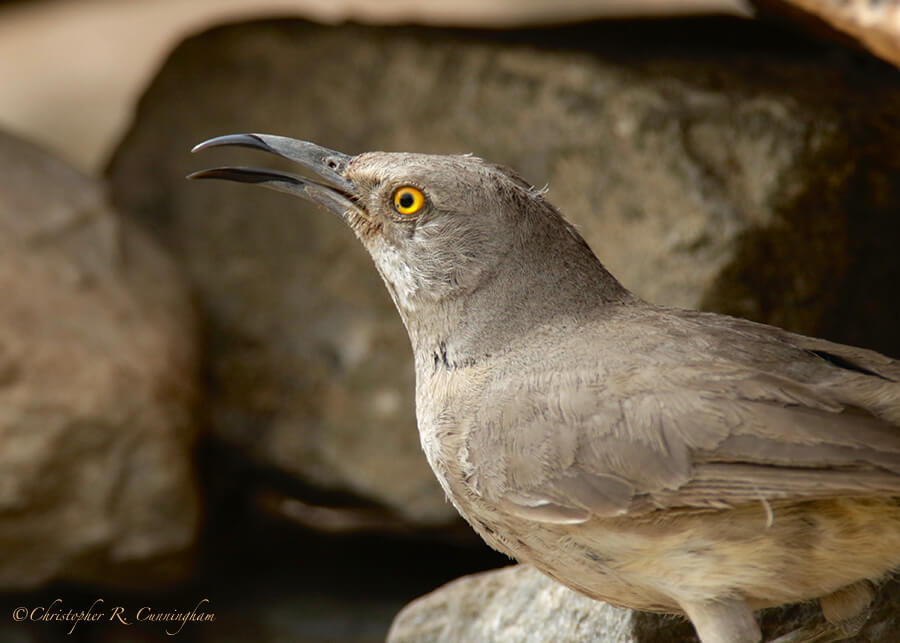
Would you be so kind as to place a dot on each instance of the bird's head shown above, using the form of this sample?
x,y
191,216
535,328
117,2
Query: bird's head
x,y
438,227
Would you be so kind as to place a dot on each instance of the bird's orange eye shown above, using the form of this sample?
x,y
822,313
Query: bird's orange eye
x,y
408,200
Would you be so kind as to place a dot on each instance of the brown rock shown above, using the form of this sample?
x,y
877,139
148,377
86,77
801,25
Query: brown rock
x,y
711,166
96,386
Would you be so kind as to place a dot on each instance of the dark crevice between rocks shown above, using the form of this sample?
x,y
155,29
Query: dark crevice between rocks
x,y
269,579
616,39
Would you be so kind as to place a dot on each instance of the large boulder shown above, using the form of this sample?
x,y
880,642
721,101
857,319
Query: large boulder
x,y
705,168
97,376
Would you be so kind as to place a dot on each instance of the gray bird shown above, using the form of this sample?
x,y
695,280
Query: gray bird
x,y
654,458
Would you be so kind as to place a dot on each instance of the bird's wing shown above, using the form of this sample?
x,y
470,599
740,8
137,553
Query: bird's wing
x,y
710,434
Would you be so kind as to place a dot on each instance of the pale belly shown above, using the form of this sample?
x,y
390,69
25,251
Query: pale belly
x,y
797,552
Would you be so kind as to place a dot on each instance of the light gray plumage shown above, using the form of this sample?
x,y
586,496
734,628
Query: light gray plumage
x,y
657,458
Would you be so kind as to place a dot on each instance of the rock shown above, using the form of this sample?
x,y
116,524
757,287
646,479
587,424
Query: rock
x,y
97,383
874,25
515,603
714,166
518,603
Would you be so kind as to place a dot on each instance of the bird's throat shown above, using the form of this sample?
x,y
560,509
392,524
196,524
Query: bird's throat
x,y
490,320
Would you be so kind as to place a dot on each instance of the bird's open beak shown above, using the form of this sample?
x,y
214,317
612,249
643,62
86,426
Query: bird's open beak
x,y
335,193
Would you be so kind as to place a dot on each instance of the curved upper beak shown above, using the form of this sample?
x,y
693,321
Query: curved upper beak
x,y
335,192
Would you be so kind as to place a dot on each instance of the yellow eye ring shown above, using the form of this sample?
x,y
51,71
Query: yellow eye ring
x,y
408,200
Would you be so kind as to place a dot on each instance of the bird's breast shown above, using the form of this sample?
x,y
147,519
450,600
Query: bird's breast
x,y
445,404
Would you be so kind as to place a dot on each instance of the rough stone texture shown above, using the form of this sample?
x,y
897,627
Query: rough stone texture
x,y
516,603
96,386
872,24
706,169
520,604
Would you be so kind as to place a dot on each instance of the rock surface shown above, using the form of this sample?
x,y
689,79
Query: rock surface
x,y
705,170
873,24
520,604
96,386
515,603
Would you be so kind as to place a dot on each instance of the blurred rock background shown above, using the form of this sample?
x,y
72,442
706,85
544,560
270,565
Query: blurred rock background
x,y
71,71
204,389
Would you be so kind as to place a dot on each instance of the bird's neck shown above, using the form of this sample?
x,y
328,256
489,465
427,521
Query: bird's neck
x,y
525,294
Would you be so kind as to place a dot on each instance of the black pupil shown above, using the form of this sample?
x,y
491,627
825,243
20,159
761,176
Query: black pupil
x,y
406,200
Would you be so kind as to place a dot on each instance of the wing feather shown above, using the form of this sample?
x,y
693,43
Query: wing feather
x,y
642,435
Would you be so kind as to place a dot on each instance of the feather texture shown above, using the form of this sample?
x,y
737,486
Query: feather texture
x,y
725,413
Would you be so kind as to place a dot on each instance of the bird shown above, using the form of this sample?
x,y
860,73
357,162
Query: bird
x,y
656,458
